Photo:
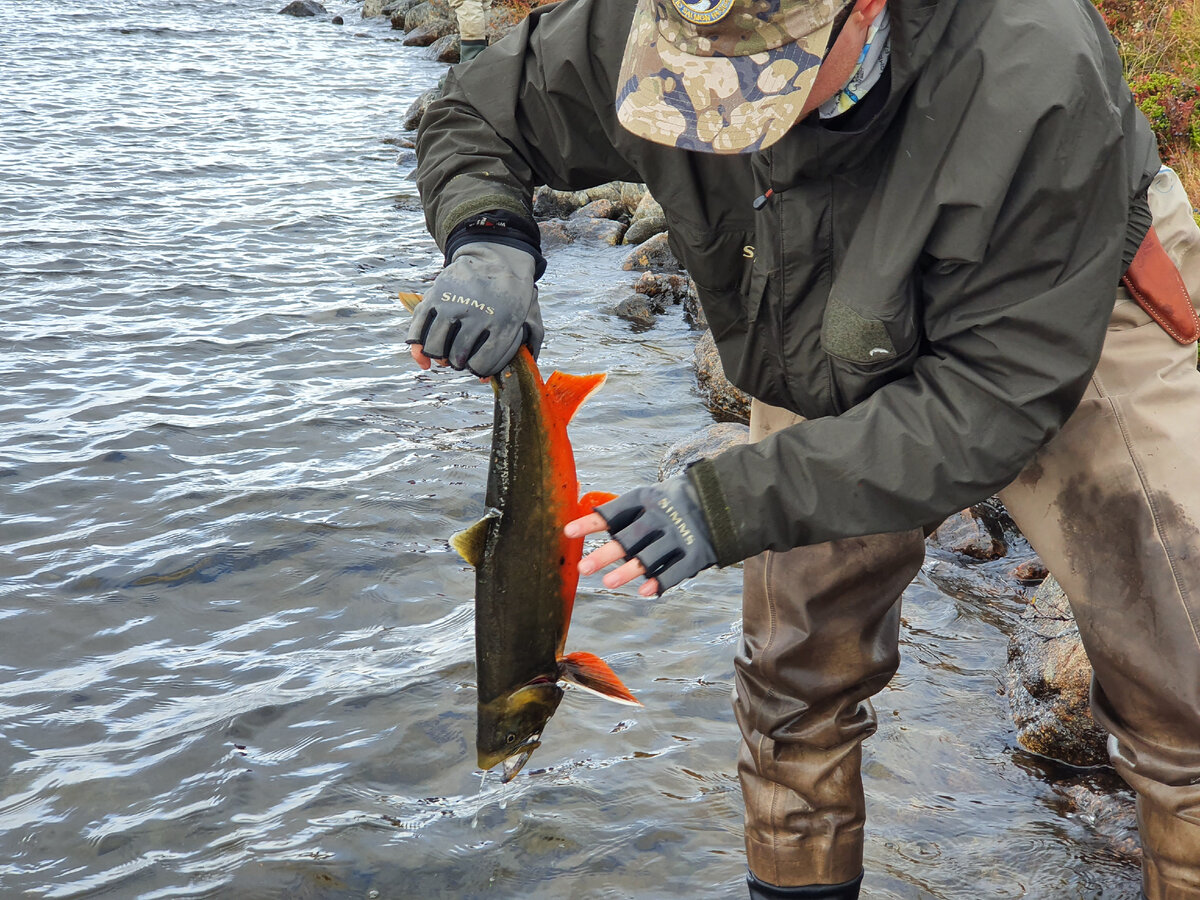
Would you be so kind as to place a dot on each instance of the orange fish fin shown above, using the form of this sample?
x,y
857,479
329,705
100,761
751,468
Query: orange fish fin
x,y
410,300
593,674
566,393
589,501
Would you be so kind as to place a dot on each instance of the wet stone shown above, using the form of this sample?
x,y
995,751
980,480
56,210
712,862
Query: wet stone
x,y
412,118
652,255
1048,678
1029,572
723,400
970,534
554,233
648,220
674,289
551,204
428,32
606,231
704,444
445,49
599,209
303,9
640,310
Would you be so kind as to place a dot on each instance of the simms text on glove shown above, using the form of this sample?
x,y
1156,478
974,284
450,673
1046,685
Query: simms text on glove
x,y
480,309
663,527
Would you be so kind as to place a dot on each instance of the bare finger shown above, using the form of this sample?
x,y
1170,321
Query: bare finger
x,y
624,574
585,525
598,559
419,356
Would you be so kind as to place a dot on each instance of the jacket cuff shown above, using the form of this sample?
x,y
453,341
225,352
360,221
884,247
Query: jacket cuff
x,y
703,476
497,226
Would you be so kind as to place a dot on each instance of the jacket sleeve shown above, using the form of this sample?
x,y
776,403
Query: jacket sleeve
x,y
536,108
1010,342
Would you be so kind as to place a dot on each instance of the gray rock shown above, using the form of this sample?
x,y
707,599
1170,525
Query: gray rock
x,y
693,311
606,231
1048,678
554,233
972,534
420,14
652,255
639,309
444,49
675,289
723,400
412,118
549,203
303,9
704,444
428,32
397,10
648,220
599,209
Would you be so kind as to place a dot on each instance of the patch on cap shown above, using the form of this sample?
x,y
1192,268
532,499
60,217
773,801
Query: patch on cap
x,y
703,12
721,76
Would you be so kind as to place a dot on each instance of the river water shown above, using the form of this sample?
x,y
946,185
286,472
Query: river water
x,y
236,657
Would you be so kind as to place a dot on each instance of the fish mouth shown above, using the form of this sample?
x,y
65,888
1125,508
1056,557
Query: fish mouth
x,y
512,765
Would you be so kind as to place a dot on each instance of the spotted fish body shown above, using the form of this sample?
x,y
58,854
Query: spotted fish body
x,y
527,568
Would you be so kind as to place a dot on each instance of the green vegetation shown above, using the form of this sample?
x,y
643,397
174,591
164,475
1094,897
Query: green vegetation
x,y
1160,44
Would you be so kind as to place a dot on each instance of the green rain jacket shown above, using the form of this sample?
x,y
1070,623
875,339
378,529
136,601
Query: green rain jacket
x,y
930,288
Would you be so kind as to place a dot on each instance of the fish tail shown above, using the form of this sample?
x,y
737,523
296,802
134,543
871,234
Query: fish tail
x,y
592,673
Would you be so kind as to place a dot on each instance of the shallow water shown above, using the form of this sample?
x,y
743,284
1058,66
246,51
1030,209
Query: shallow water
x,y
236,653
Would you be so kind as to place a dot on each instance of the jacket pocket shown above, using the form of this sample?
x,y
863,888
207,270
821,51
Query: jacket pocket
x,y
724,274
868,345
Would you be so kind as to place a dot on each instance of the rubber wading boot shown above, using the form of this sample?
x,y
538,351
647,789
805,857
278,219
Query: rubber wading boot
x,y
468,50
760,890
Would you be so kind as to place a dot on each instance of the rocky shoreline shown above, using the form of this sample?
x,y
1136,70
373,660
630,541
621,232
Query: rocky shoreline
x,y
977,552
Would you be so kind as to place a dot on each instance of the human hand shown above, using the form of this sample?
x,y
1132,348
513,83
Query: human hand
x,y
659,530
478,311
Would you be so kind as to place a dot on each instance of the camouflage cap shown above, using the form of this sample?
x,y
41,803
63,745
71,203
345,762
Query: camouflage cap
x,y
721,76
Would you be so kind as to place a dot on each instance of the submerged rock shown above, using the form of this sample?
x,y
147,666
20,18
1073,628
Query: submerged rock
x,y
723,400
1049,680
642,311
303,9
704,444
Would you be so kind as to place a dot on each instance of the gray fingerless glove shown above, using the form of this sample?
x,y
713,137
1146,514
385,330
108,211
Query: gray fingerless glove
x,y
663,526
480,309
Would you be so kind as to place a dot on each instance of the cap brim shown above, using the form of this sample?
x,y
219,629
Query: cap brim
x,y
714,104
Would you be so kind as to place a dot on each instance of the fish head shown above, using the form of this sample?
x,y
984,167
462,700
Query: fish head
x,y
510,727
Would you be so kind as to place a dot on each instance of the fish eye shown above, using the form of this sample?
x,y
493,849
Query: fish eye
x,y
511,737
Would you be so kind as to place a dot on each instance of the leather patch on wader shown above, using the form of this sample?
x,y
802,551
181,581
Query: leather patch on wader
x,y
1154,282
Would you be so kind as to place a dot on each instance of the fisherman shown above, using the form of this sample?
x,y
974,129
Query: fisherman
x,y
920,231
472,27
